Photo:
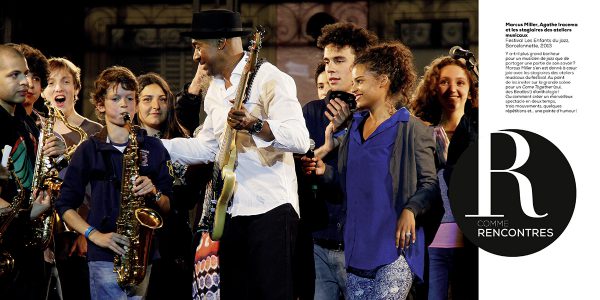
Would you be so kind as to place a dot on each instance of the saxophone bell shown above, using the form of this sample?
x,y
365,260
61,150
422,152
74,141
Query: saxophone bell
x,y
7,263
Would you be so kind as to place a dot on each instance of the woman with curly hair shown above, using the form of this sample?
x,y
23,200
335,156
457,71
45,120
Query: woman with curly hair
x,y
387,172
445,94
441,102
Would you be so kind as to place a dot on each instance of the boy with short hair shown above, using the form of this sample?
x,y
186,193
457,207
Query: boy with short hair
x,y
341,42
99,161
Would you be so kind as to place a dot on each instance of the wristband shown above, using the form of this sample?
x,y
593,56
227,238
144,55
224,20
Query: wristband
x,y
88,231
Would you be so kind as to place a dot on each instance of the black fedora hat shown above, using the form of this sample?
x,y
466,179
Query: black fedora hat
x,y
216,23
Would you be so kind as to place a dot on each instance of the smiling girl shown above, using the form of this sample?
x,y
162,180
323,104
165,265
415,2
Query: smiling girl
x,y
445,94
386,169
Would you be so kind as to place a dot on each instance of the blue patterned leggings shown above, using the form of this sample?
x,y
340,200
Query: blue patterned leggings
x,y
391,281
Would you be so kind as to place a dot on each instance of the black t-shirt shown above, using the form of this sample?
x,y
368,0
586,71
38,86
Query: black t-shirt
x,y
20,133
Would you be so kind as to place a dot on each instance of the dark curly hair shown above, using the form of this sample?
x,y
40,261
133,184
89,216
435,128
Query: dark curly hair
x,y
343,34
320,69
425,104
170,128
36,61
108,77
394,60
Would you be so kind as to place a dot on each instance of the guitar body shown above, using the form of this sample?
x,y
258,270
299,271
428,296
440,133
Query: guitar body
x,y
228,180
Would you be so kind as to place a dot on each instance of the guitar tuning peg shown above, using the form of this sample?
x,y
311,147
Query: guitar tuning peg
x,y
261,30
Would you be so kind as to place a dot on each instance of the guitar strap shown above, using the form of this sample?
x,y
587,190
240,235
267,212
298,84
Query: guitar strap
x,y
251,79
247,97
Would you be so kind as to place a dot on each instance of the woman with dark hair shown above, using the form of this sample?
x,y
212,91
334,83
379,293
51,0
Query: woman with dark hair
x,y
447,93
387,172
155,110
321,80
172,273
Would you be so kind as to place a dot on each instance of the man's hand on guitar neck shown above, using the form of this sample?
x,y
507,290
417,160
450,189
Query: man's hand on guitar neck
x,y
241,119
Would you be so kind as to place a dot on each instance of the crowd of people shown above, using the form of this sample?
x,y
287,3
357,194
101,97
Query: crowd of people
x,y
344,198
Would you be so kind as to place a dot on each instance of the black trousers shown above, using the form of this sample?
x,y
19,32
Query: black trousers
x,y
28,281
72,270
256,254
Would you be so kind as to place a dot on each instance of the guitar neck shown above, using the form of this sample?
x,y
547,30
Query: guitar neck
x,y
240,93
230,133
226,145
228,142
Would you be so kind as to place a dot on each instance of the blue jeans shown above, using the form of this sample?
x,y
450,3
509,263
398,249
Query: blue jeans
x,y
103,283
455,268
330,269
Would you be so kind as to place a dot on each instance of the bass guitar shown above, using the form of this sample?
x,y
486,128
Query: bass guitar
x,y
220,189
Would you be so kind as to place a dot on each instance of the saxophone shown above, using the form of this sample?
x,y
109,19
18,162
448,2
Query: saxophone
x,y
46,177
7,262
135,221
63,161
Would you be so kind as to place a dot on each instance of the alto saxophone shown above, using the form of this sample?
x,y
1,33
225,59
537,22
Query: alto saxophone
x,y
7,262
135,221
46,177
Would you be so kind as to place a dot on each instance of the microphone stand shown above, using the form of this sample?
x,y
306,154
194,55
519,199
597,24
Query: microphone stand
x,y
472,66
469,59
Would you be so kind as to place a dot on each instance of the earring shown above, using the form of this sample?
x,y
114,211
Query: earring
x,y
222,42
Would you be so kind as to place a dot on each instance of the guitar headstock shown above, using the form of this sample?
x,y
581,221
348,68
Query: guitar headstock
x,y
256,41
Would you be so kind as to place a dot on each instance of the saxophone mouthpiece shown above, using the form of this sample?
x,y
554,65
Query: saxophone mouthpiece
x,y
126,117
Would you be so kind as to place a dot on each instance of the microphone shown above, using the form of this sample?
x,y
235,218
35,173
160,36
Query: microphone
x,y
458,52
312,177
311,149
